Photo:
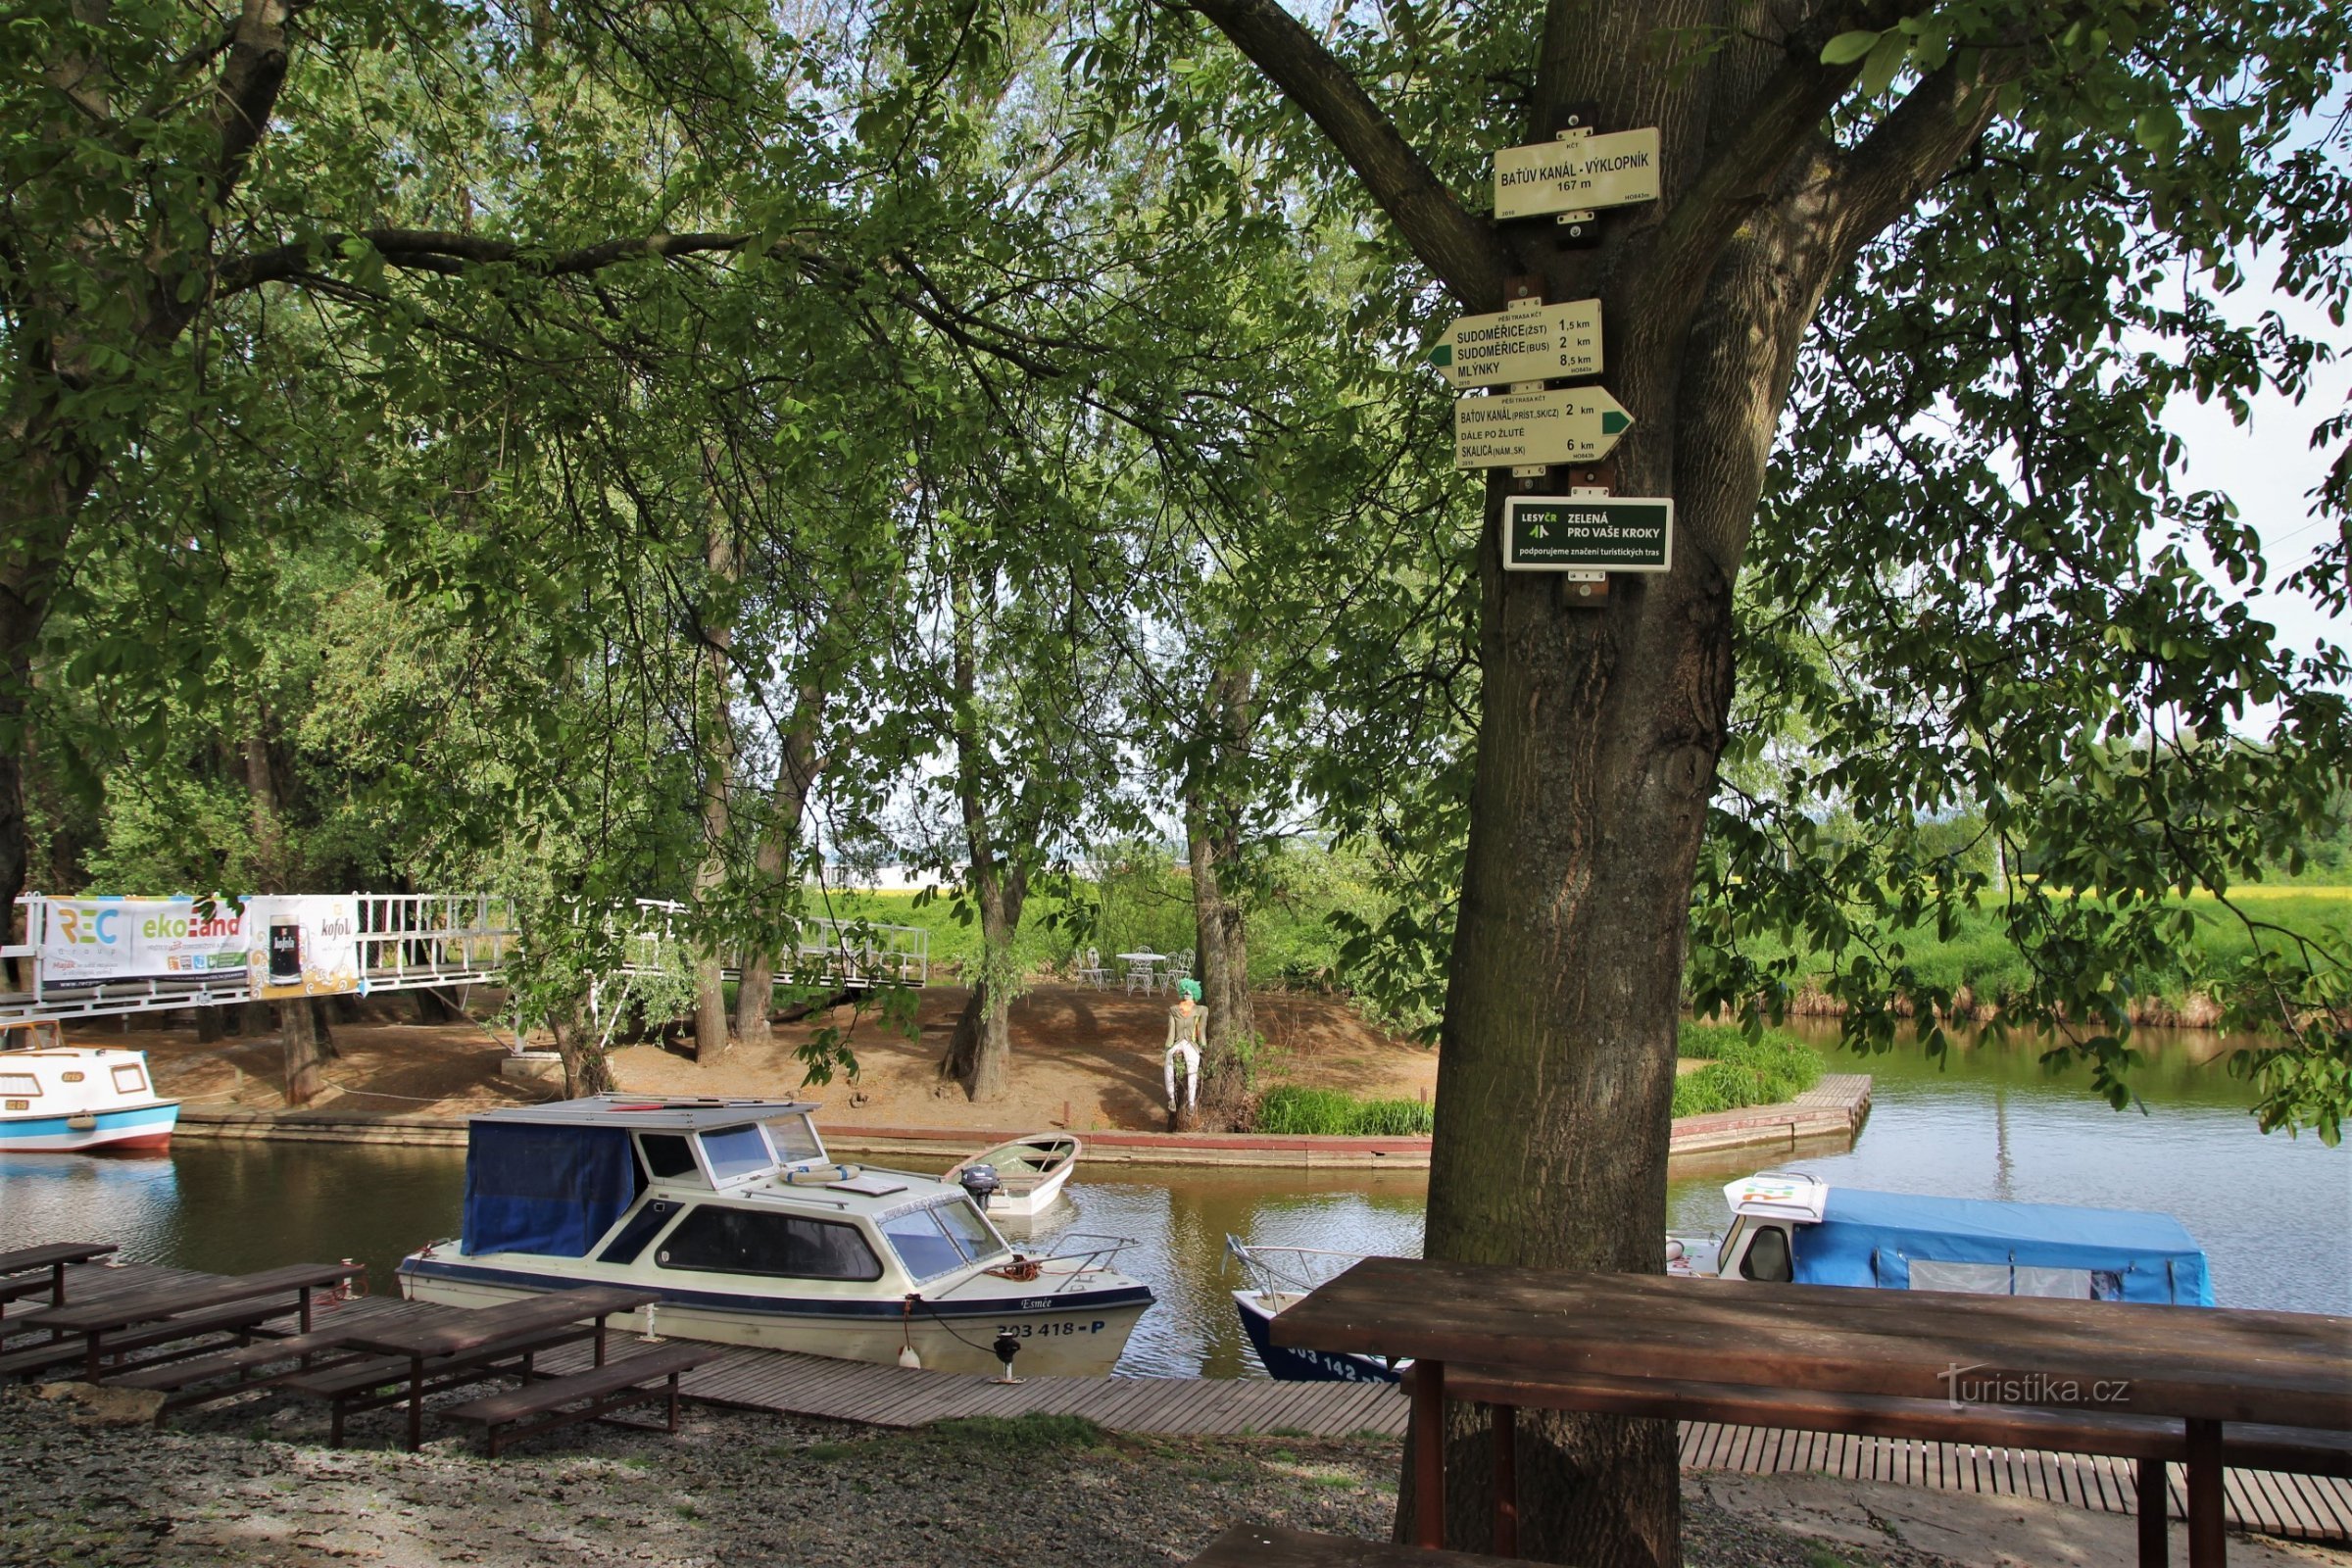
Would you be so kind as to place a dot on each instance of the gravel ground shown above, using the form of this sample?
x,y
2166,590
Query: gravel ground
x,y
251,1483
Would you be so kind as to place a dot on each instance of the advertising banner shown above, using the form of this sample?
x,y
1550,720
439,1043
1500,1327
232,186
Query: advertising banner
x,y
93,941
302,945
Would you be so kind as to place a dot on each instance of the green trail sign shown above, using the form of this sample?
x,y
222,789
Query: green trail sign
x,y
1588,533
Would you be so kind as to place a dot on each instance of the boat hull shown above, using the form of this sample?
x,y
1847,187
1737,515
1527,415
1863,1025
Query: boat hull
x,y
131,1129
1287,1365
1077,1333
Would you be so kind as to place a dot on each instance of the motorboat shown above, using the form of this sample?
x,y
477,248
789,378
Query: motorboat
x,y
732,1209
1788,1226
61,1099
1791,1227
1279,1277
1019,1180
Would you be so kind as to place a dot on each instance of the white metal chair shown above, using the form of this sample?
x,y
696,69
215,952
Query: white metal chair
x,y
1140,973
1092,972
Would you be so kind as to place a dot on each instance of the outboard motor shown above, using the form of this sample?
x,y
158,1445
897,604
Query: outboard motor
x,y
981,1182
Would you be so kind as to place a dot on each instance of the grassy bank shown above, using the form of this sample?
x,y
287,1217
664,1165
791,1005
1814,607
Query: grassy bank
x,y
1291,942
1740,1072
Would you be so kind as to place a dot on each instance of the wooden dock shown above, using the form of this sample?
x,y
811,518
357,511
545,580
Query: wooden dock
x,y
785,1383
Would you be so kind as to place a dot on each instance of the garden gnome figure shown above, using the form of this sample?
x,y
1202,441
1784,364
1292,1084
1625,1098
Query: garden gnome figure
x,y
1188,1027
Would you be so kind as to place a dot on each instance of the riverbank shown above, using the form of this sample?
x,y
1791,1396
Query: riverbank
x,y
1824,1116
249,1485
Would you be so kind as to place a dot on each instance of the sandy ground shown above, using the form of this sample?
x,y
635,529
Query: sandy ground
x,y
1083,1059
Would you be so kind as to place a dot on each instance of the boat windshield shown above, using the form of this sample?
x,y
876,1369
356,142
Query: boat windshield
x,y
945,1236
735,1153
795,1138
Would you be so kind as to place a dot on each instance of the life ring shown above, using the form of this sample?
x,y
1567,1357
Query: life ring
x,y
821,1175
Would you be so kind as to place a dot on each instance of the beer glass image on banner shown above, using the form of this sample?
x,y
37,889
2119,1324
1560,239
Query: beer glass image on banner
x,y
309,945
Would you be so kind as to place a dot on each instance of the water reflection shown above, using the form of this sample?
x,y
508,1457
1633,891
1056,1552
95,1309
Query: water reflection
x,y
2274,1215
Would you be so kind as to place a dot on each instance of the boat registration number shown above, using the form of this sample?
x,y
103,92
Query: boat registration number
x,y
1051,1328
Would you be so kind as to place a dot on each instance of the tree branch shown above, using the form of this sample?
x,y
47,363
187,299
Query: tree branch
x,y
247,92
1463,251
1900,161
451,255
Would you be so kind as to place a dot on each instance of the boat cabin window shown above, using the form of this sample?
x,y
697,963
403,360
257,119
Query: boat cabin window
x,y
947,1236
735,1153
668,1157
743,1240
2016,1279
129,1080
19,1083
795,1138
1767,1257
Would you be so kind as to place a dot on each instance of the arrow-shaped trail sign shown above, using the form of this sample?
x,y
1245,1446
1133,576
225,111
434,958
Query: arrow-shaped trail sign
x,y
1549,343
1577,175
1580,424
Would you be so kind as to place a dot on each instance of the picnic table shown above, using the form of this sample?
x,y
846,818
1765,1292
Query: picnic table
x,y
445,1353
123,1321
1685,1347
29,1271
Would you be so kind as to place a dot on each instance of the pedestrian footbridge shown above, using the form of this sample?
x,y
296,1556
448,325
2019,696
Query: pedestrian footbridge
x,y
103,958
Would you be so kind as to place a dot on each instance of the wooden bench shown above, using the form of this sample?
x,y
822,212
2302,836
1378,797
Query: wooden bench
x,y
242,1319
1248,1545
177,1379
2150,1441
366,1383
634,1380
29,1270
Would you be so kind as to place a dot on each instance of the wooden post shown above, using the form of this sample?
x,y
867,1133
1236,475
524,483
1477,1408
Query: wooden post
x,y
2208,1540
1429,1454
1506,1481
2155,1509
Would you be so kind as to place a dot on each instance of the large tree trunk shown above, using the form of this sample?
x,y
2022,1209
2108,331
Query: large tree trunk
x,y
772,863
298,1034
586,1070
718,762
1213,838
1601,727
980,1051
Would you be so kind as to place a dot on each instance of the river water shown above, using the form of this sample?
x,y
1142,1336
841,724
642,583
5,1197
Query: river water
x,y
2274,1215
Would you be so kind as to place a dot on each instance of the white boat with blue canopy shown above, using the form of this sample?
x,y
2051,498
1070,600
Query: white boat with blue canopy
x,y
1788,1226
733,1212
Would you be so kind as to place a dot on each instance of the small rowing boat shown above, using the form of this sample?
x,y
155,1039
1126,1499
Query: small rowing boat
x,y
1021,1179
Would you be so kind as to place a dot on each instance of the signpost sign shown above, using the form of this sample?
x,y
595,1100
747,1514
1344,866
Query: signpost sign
x,y
1548,343
1578,175
1588,533
1577,424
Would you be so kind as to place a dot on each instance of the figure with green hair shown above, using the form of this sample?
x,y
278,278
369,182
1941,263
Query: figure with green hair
x,y
1188,1034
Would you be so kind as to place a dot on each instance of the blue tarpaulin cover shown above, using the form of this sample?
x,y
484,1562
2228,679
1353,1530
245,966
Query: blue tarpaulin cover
x,y
1871,1239
552,1190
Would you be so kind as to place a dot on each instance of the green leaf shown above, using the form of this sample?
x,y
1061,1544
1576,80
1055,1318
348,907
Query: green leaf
x,y
1887,57
1847,47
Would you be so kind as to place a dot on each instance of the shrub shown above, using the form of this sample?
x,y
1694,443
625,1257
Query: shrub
x,y
1741,1071
1329,1113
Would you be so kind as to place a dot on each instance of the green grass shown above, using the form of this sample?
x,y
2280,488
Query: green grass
x,y
1741,1071
1329,1113
1020,1433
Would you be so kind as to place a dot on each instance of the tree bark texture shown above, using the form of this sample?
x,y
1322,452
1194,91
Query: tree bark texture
x,y
298,1037
980,1051
774,860
1601,726
711,1018
1213,835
